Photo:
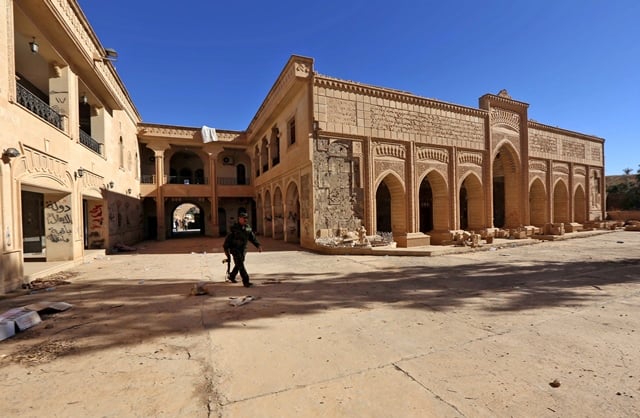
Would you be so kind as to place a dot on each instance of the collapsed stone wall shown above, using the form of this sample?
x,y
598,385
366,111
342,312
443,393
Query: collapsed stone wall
x,y
339,201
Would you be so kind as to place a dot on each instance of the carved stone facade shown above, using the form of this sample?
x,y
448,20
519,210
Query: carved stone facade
x,y
321,157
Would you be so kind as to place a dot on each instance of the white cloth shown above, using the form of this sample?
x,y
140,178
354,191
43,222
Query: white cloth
x,y
208,134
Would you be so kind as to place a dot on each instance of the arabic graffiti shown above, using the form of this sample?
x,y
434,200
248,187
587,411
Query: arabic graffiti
x,y
96,221
58,220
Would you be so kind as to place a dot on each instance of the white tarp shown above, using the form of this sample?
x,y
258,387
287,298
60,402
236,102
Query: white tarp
x,y
208,134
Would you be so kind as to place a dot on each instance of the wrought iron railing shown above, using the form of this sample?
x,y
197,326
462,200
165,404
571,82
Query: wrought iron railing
x,y
186,180
92,144
232,181
148,179
37,106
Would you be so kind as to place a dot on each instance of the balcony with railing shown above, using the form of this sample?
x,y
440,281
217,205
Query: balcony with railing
x,y
37,106
234,187
89,142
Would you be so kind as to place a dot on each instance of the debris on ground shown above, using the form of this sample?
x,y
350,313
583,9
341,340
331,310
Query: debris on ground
x,y
555,383
200,289
51,281
236,301
22,318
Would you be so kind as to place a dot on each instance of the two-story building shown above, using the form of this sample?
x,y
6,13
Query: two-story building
x,y
322,156
69,176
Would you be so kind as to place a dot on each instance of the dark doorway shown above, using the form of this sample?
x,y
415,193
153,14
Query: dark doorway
x,y
498,202
464,208
426,206
383,209
32,222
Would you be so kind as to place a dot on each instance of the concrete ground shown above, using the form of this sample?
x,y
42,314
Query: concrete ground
x,y
544,330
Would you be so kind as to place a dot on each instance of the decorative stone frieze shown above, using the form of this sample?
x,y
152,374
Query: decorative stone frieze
x,y
573,149
36,162
434,154
580,171
341,111
561,168
537,165
382,166
390,150
503,117
466,157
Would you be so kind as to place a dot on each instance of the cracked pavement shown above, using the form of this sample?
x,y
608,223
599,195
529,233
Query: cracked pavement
x,y
467,334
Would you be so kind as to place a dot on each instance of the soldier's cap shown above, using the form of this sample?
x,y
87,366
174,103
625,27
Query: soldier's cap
x,y
243,215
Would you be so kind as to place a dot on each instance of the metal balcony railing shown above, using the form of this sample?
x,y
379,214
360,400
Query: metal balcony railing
x,y
148,179
232,181
92,144
186,180
37,106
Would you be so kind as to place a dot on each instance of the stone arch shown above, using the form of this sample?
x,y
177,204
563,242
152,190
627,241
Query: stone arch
x,y
259,213
292,218
183,165
538,203
471,203
190,217
433,203
268,216
560,202
390,204
579,205
506,187
278,214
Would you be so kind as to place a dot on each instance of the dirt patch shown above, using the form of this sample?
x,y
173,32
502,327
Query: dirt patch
x,y
41,353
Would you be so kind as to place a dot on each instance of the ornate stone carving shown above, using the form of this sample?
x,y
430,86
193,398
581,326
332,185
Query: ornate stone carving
x,y
435,154
573,149
384,165
561,168
503,117
390,150
466,157
341,111
537,165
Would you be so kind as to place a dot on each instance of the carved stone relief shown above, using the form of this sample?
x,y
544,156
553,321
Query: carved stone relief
x,y
338,197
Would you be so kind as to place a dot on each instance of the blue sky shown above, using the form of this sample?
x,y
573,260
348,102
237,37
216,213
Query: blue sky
x,y
201,62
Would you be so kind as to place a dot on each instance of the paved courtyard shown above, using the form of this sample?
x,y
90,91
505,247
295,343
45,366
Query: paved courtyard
x,y
544,330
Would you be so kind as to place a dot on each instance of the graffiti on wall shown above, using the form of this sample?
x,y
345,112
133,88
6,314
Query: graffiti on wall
x,y
58,221
96,221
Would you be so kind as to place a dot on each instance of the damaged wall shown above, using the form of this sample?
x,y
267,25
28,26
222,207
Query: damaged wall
x,y
339,197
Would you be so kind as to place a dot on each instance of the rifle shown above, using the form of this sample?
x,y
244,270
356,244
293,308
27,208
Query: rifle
x,y
228,261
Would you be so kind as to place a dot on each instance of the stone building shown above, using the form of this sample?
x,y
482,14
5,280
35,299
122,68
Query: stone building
x,y
69,175
320,158
323,156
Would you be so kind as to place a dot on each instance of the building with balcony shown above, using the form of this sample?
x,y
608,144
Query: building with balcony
x,y
70,171
320,158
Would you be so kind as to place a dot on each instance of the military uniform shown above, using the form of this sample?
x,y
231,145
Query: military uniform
x,y
235,244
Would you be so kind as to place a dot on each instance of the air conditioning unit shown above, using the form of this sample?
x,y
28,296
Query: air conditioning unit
x,y
227,160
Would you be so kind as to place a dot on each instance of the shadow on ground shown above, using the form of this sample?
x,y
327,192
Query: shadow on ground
x,y
111,311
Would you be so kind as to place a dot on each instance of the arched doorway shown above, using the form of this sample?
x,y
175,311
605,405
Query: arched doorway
x,y
425,199
433,200
186,220
537,203
506,193
471,204
268,217
241,174
183,165
579,205
390,206
292,221
278,217
560,202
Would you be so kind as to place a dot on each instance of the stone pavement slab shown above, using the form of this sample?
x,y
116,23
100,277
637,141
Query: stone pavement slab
x,y
475,333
